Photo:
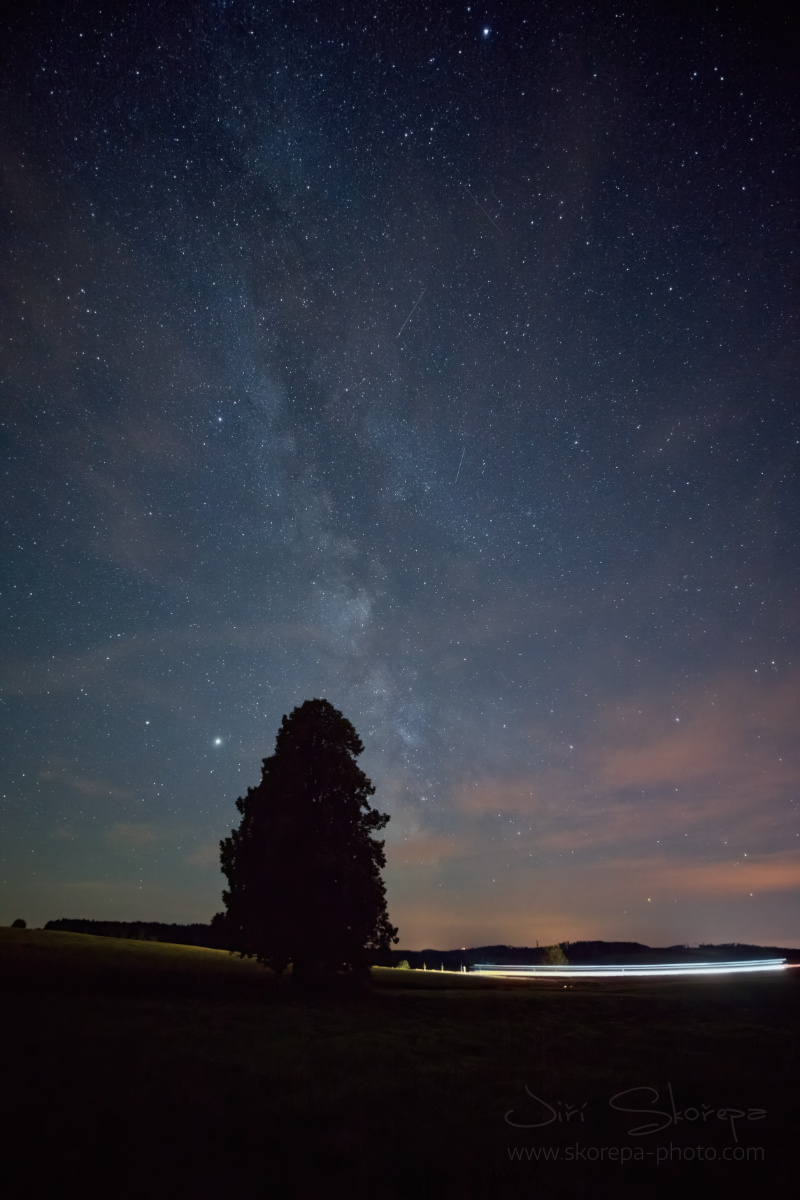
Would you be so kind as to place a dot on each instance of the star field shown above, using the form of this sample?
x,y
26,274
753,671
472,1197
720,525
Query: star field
x,y
436,361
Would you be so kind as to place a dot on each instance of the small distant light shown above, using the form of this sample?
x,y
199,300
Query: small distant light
x,y
217,741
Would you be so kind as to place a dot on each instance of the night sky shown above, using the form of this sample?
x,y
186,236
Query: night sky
x,y
437,361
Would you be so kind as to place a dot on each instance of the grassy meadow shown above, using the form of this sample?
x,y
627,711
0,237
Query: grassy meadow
x,y
139,1068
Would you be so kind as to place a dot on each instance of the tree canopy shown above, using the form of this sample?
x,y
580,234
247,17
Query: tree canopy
x,y
303,869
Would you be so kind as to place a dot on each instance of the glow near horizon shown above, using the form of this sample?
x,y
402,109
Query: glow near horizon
x,y
598,972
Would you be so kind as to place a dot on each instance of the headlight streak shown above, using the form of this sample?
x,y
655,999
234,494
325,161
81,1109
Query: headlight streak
x,y
646,970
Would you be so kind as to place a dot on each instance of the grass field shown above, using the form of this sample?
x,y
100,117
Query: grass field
x,y
137,1068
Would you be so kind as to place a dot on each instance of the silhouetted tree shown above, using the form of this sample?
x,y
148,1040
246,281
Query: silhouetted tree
x,y
19,924
303,869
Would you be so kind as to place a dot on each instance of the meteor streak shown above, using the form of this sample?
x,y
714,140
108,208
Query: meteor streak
x,y
483,210
410,315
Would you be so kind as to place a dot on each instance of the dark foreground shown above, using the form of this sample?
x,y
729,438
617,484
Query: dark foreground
x,y
140,1069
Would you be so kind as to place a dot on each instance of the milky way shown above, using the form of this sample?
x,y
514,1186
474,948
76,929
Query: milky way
x,y
437,362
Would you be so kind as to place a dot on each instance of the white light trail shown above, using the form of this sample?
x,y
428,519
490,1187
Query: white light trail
x,y
607,971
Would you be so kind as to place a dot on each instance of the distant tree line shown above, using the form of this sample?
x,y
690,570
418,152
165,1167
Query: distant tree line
x,y
454,960
574,952
146,931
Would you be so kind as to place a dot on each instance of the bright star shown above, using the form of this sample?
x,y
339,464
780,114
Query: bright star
x,y
217,741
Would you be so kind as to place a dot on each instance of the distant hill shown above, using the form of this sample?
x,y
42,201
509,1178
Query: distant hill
x,y
589,952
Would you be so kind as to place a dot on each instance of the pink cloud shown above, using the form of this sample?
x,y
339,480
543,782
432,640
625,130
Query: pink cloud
x,y
426,850
740,731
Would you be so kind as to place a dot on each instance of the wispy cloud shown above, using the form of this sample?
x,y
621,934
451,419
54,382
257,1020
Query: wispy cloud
x,y
206,855
127,655
742,876
683,794
93,788
737,730
132,835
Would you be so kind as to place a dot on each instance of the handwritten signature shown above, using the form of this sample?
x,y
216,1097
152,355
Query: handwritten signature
x,y
562,1112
